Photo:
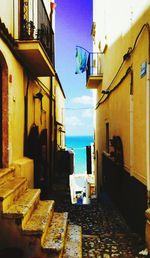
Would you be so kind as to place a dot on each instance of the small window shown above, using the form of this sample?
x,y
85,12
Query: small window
x,y
107,137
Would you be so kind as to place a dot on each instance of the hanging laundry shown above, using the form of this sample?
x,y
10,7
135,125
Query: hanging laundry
x,y
81,60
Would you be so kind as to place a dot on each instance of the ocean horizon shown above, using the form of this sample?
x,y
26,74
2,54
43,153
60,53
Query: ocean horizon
x,y
78,145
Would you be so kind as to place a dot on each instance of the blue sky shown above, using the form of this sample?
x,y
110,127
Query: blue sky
x,y
73,27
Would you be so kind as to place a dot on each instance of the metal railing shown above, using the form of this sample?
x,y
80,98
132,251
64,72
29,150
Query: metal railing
x,y
94,65
36,25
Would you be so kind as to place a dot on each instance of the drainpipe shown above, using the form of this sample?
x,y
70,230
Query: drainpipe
x,y
148,120
131,123
26,118
50,173
147,212
148,134
13,19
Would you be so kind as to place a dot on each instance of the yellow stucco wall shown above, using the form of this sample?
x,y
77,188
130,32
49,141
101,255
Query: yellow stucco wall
x,y
16,93
59,105
16,104
59,98
119,118
26,61
17,89
35,114
120,34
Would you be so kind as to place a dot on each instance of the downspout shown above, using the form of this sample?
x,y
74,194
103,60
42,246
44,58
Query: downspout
x,y
50,173
147,227
131,107
26,118
131,124
13,18
55,125
148,119
55,136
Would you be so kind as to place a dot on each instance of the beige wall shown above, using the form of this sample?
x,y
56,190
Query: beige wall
x,y
6,14
120,34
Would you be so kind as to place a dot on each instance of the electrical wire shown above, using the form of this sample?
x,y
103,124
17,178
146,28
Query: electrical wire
x,y
129,52
78,108
98,103
83,49
43,87
145,25
117,85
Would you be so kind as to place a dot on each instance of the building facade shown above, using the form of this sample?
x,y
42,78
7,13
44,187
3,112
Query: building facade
x,y
31,134
27,84
118,73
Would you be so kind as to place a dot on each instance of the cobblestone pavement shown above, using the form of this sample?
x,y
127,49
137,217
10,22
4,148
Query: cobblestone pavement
x,y
105,232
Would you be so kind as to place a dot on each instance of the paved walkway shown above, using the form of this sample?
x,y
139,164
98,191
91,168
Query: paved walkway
x,y
105,232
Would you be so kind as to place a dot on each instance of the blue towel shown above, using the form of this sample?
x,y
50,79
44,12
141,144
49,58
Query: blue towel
x,y
81,60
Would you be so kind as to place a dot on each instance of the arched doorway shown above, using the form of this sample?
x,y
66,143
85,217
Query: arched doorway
x,y
3,112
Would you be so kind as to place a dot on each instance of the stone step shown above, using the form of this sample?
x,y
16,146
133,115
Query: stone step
x,y
147,213
6,173
73,242
55,237
10,191
40,218
22,208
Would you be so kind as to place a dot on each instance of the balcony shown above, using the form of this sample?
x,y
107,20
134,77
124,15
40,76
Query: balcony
x,y
36,41
94,73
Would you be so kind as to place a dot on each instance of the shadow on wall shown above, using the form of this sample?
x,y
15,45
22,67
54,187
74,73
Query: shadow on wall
x,y
11,252
126,192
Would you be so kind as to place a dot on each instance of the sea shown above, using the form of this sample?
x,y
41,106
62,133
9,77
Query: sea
x,y
78,145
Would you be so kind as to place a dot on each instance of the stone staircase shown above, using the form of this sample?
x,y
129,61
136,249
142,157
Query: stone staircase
x,y
31,225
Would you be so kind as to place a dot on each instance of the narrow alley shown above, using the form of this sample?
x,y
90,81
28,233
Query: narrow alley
x,y
105,232
74,115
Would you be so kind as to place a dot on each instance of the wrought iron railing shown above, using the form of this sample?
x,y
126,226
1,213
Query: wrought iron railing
x,y
94,65
35,24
